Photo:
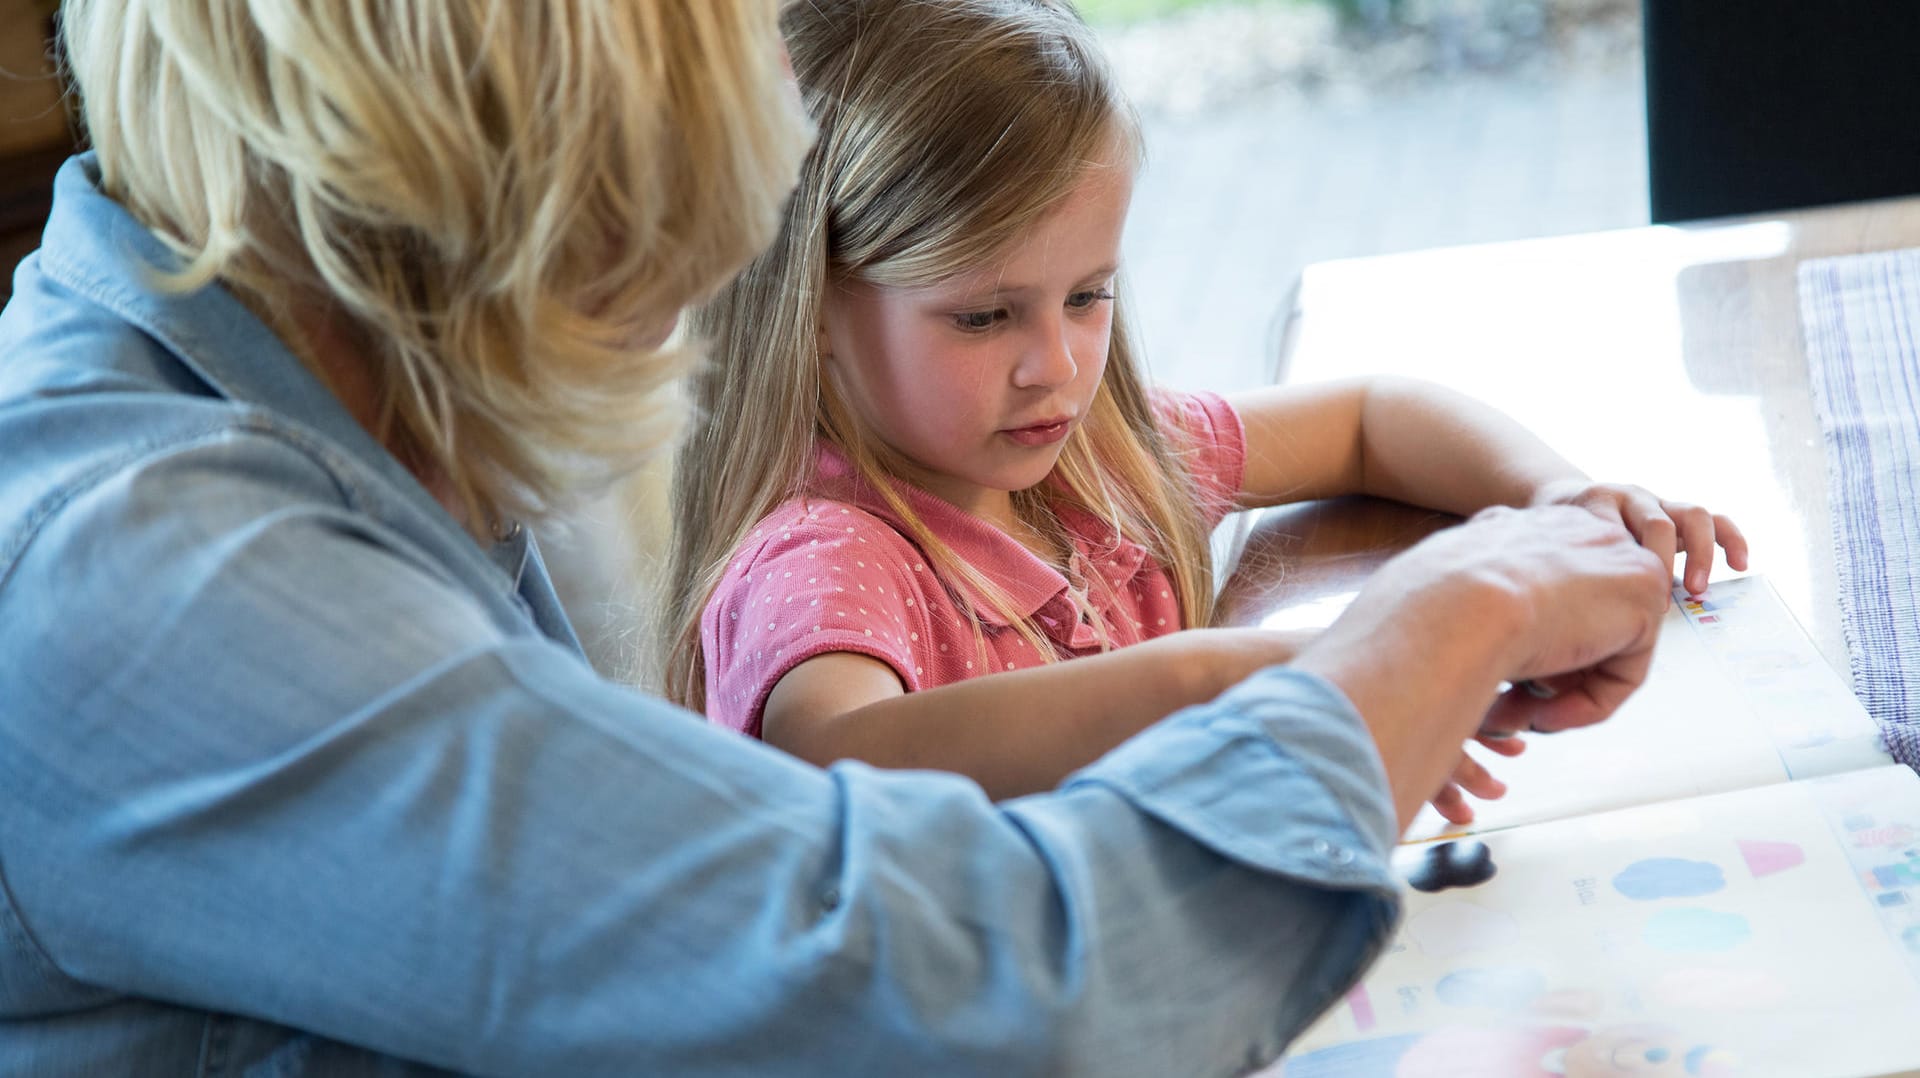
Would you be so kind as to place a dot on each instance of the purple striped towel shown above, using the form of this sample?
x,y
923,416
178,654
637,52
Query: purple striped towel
x,y
1862,320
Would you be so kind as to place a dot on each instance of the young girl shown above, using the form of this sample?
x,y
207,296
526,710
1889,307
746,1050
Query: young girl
x,y
926,452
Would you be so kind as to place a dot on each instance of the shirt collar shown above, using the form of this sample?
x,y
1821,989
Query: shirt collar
x,y
1031,585
93,246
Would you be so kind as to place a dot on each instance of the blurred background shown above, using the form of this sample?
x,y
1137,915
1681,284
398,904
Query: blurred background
x,y
1285,132
34,134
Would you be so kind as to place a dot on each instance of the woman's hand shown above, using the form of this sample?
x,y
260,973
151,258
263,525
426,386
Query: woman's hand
x,y
1665,528
1554,596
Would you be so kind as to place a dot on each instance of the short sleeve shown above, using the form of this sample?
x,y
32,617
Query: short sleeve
x,y
813,578
1207,435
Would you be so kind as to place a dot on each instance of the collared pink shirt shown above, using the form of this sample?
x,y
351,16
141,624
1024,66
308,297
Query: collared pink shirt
x,y
831,572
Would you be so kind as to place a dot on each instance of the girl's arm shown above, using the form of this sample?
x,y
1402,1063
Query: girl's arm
x,y
1017,732
1418,443
1023,731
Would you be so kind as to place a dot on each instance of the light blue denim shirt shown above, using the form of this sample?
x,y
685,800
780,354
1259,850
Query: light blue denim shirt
x,y
295,778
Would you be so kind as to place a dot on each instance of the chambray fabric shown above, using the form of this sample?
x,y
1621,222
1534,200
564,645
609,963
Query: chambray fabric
x,y
296,779
1861,315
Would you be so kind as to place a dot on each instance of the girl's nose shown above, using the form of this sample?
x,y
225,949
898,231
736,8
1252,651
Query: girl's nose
x,y
1048,359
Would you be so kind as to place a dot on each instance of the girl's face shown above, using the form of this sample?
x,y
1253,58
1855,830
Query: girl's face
x,y
978,379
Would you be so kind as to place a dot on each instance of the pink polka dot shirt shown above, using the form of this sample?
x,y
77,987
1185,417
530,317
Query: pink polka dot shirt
x,y
831,572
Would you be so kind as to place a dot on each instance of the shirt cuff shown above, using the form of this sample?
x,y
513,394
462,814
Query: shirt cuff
x,y
1278,773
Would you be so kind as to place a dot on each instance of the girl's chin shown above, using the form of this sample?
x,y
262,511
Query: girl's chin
x,y
1029,471
1028,479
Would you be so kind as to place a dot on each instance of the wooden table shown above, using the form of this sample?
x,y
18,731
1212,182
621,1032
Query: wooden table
x,y
1671,357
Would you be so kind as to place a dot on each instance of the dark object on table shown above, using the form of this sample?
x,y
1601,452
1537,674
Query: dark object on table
x,y
1462,863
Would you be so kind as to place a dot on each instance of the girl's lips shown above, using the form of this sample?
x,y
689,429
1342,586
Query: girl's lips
x,y
1040,433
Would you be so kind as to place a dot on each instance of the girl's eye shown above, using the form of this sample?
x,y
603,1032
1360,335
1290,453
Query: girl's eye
x,y
975,321
1080,301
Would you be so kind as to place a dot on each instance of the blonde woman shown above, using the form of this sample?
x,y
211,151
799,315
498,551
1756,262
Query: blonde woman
x,y
300,770
928,454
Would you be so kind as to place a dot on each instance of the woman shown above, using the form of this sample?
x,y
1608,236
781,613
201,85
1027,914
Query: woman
x,y
300,767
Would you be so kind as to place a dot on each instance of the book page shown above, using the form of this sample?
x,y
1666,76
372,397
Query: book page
x,y
1738,697
1767,931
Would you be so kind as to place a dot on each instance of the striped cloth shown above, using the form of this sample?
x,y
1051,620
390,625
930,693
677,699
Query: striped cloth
x,y
1862,319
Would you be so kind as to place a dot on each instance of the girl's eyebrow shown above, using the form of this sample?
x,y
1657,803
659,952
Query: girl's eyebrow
x,y
1002,288
1105,271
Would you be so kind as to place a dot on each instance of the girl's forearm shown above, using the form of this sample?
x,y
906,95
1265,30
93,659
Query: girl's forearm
x,y
1431,446
1024,731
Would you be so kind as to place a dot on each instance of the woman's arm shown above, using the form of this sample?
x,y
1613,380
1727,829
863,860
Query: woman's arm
x,y
1418,443
346,758
1014,733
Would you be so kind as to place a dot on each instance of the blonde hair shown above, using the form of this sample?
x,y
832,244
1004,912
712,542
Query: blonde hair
x,y
499,198
945,131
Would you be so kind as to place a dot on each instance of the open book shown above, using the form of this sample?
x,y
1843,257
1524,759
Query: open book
x,y
1723,879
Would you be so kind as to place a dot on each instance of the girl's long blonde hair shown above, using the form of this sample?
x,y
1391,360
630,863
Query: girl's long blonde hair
x,y
501,199
945,131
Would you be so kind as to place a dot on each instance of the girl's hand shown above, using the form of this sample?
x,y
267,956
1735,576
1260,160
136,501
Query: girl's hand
x,y
1665,528
1471,777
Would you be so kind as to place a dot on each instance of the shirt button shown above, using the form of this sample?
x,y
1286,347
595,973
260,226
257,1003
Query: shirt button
x,y
830,899
1322,847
